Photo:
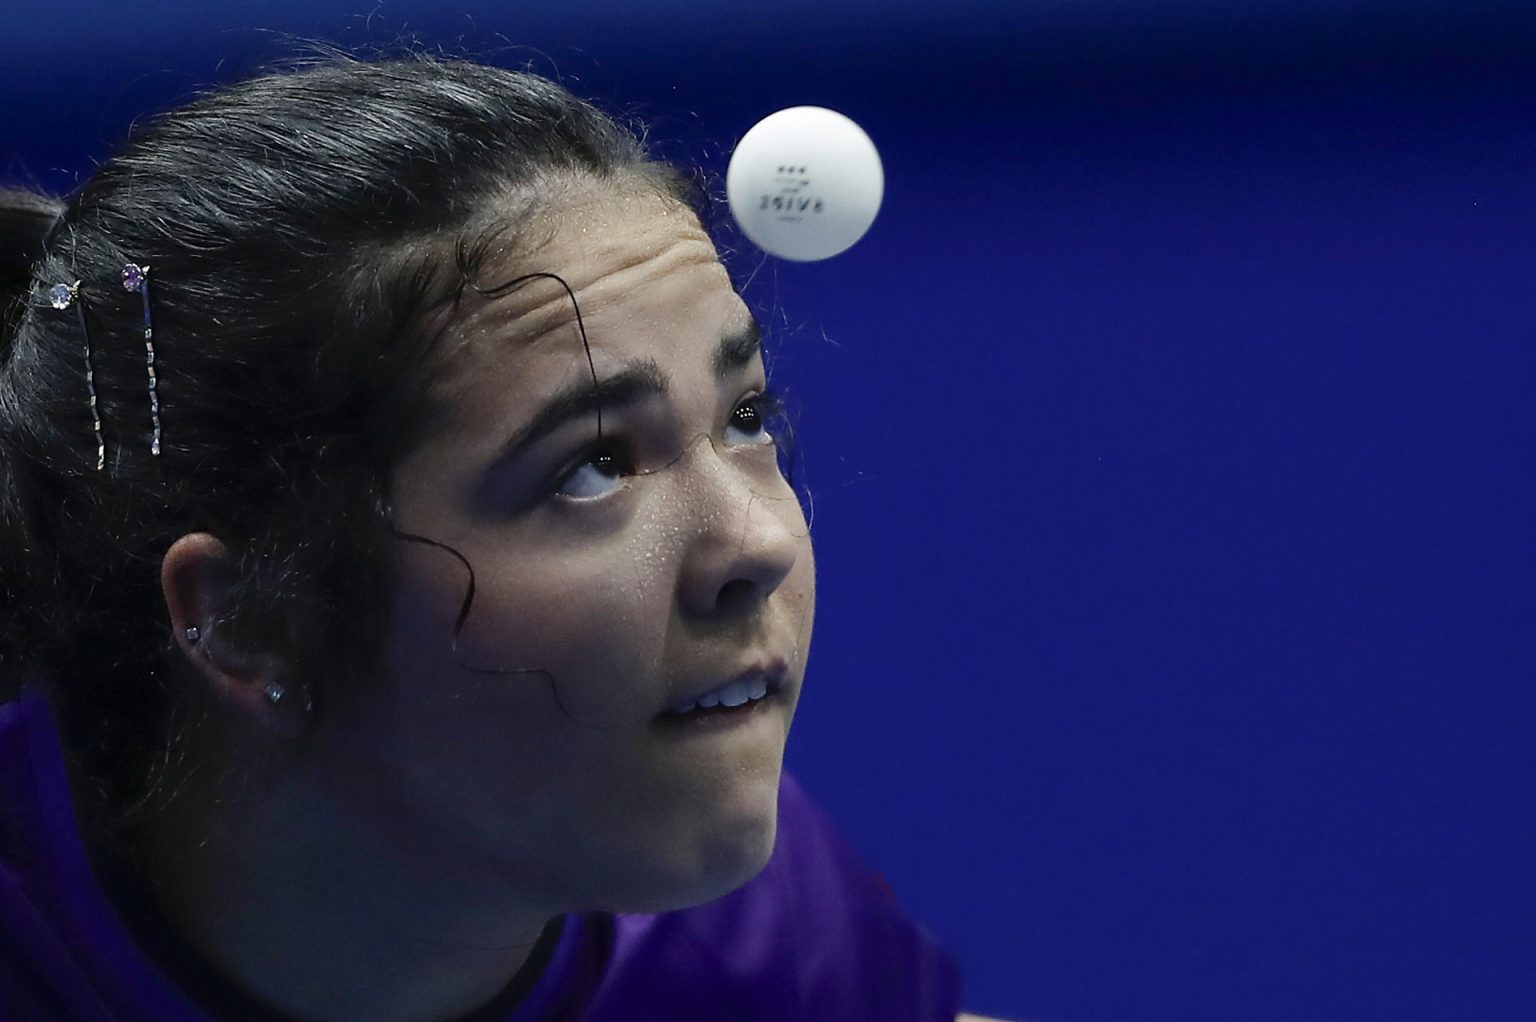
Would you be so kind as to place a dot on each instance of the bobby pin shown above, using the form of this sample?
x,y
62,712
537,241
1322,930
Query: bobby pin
x,y
136,278
64,296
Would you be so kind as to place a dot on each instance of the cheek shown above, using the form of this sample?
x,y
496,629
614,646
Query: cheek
x,y
518,721
799,592
585,626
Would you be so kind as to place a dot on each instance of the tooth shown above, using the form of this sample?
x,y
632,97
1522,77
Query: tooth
x,y
734,694
757,688
710,699
685,707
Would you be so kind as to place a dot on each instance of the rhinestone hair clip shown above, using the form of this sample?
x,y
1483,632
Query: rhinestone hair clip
x,y
66,296
136,278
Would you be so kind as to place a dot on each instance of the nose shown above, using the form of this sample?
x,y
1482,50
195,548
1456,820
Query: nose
x,y
746,543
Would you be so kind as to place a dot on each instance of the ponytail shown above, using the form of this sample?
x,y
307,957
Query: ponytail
x,y
26,220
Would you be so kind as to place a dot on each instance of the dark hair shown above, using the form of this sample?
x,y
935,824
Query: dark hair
x,y
300,229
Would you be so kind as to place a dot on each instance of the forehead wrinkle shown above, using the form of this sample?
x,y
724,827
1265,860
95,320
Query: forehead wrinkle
x,y
633,250
596,279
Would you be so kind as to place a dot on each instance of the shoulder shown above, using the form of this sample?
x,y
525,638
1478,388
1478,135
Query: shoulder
x,y
63,952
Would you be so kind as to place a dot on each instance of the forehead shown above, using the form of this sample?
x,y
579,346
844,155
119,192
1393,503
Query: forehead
x,y
651,293
643,277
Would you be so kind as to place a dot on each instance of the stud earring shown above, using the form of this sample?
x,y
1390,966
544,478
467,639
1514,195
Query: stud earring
x,y
275,692
193,634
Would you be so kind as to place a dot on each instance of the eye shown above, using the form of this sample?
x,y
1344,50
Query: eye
x,y
596,475
748,423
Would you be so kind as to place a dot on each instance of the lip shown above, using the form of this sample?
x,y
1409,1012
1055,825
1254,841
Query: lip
x,y
772,670
752,715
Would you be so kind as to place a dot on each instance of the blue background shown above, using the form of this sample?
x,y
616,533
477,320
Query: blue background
x,y
1171,441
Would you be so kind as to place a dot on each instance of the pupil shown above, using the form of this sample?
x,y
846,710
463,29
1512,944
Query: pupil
x,y
605,463
748,419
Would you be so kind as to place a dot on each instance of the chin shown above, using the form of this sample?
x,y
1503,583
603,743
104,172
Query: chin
x,y
720,862
738,859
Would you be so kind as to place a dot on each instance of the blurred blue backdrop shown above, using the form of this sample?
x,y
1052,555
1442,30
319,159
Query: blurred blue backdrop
x,y
1171,440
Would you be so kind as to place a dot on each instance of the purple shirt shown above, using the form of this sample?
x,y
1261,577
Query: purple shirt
x,y
816,935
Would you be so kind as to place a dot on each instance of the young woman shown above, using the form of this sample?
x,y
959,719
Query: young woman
x,y
403,608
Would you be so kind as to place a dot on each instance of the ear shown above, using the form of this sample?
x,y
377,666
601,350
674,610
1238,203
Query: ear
x,y
240,666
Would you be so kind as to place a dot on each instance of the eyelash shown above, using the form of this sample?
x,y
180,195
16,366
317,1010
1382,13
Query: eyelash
x,y
767,406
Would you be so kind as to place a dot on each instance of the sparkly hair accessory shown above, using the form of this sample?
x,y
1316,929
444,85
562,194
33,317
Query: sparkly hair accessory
x,y
136,278
65,296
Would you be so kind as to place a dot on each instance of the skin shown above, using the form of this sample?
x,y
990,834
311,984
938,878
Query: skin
x,y
404,847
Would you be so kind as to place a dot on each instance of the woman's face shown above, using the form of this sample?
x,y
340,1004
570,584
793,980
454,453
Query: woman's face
x,y
633,544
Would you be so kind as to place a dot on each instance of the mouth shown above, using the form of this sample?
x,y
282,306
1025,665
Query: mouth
x,y
738,698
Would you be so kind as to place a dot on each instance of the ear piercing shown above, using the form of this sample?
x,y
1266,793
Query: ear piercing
x,y
274,692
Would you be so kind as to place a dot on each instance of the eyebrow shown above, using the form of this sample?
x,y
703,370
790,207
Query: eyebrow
x,y
738,349
636,381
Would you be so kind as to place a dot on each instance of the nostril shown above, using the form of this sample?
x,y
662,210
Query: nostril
x,y
736,595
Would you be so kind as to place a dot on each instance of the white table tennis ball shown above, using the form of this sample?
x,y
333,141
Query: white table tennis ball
x,y
805,183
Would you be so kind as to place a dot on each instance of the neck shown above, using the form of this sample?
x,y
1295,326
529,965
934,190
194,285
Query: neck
x,y
312,902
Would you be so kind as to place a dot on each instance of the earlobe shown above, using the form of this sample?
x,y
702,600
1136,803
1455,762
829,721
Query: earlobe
x,y
198,579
